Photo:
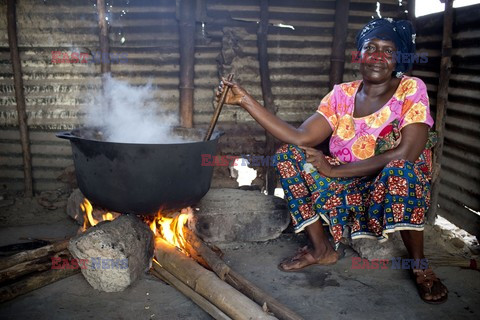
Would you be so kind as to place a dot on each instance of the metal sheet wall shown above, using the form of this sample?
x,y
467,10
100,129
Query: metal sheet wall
x,y
460,176
57,94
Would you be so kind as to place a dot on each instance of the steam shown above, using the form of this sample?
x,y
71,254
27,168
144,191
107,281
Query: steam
x,y
129,114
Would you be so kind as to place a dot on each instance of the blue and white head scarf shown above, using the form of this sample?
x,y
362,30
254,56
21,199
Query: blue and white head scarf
x,y
400,32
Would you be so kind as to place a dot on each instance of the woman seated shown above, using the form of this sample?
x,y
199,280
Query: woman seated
x,y
377,177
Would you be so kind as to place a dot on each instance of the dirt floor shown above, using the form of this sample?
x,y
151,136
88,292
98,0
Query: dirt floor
x,y
333,292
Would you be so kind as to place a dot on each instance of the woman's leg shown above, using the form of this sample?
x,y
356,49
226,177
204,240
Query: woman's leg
x,y
413,241
322,251
298,193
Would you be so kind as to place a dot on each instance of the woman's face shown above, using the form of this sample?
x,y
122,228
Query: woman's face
x,y
377,60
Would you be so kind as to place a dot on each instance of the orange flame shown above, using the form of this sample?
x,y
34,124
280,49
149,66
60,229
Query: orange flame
x,y
171,229
89,219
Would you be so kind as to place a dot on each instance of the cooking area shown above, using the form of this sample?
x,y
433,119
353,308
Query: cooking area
x,y
258,159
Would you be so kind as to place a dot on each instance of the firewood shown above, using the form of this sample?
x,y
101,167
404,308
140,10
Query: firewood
x,y
238,281
203,303
21,269
7,262
199,250
34,282
207,284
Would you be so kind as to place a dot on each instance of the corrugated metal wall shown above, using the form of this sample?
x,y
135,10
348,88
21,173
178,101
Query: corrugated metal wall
x,y
57,94
460,175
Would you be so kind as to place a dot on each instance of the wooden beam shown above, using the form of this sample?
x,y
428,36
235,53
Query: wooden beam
x,y
337,57
268,101
187,60
19,97
103,37
442,101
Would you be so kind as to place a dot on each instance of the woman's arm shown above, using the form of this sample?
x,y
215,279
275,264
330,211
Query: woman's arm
x,y
311,133
414,139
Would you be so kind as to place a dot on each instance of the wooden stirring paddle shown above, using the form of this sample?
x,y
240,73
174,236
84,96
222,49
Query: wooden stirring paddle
x,y
218,109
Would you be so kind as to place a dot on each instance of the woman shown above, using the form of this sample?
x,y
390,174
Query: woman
x,y
377,178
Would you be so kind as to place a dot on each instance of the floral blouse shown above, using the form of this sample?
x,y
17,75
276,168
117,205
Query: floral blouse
x,y
355,139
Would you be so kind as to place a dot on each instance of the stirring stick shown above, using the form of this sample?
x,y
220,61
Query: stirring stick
x,y
218,109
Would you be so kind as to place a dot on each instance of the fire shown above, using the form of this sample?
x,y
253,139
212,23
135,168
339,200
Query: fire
x,y
171,229
89,219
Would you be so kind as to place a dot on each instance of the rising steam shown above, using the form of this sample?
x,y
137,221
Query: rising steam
x,y
129,114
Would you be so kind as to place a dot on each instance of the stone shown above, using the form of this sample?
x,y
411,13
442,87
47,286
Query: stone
x,y
232,215
74,201
372,249
118,252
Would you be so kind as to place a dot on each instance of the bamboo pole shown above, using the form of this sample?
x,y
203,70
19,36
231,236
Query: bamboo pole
x,y
7,262
238,281
203,303
337,58
187,60
442,102
19,97
207,284
268,101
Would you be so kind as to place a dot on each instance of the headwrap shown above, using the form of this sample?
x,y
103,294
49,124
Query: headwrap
x,y
400,32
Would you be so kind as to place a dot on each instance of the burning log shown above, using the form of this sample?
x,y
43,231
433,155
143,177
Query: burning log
x,y
207,284
203,303
118,252
238,281
7,262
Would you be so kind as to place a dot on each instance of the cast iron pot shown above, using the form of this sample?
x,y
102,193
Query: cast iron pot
x,y
142,178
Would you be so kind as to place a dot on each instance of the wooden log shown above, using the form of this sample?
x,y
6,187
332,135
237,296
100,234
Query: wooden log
x,y
27,267
45,251
34,282
20,98
337,58
203,303
198,249
187,60
238,281
11,249
268,101
442,101
206,283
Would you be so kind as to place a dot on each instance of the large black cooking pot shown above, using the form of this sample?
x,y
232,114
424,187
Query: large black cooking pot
x,y
142,178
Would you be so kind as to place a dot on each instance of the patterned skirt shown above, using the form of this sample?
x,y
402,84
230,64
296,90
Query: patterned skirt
x,y
373,206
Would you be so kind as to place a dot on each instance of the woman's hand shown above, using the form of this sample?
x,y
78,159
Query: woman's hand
x,y
235,96
318,160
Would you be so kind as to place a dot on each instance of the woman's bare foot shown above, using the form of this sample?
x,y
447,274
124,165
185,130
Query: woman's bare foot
x,y
305,258
430,288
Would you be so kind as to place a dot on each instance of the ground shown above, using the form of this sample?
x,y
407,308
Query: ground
x,y
330,292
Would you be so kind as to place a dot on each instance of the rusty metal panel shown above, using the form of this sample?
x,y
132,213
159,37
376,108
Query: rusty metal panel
x,y
460,176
